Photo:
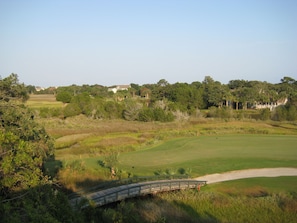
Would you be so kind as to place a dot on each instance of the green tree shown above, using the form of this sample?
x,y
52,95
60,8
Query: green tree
x,y
215,94
146,115
291,112
82,101
132,109
10,88
72,109
113,110
24,144
265,114
26,194
288,88
64,97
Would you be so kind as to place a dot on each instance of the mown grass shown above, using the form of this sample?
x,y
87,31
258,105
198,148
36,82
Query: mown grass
x,y
211,154
256,186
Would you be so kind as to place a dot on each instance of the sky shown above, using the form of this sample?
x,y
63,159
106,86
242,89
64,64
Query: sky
x,y
65,42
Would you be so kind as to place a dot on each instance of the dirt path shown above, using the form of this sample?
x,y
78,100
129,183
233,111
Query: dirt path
x,y
249,173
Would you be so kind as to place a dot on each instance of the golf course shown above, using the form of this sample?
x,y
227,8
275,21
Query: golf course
x,y
213,154
195,149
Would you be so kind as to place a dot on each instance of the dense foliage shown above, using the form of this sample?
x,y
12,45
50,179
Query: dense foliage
x,y
26,192
165,102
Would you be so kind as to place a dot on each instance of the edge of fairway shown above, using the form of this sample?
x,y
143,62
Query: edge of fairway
x,y
248,173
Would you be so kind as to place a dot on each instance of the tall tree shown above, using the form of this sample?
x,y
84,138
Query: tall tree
x,y
214,92
10,88
24,144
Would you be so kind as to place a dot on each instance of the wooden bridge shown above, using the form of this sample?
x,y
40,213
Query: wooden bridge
x,y
111,195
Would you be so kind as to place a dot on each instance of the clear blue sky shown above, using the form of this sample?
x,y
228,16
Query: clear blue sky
x,y
56,42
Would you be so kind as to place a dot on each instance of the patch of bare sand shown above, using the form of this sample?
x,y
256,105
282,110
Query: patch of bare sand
x,y
249,173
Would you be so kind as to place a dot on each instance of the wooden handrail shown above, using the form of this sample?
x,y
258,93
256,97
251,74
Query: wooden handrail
x,y
115,194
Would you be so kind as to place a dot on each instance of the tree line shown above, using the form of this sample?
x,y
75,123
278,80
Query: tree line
x,y
167,102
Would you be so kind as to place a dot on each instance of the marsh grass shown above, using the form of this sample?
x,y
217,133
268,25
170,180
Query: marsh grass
x,y
43,101
268,202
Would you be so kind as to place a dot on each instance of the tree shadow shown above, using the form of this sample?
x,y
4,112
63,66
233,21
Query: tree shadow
x,y
196,216
52,166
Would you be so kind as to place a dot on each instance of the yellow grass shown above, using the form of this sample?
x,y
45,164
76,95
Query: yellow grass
x,y
43,100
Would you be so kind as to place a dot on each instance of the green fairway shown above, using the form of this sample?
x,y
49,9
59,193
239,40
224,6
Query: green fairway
x,y
254,186
211,154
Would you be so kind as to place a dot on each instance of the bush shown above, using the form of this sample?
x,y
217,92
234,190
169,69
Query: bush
x,y
285,113
291,113
64,97
265,114
162,116
215,112
72,110
113,110
146,115
46,112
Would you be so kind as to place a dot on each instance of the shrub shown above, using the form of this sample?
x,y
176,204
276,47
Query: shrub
x,y
64,97
215,112
285,113
265,114
146,115
71,110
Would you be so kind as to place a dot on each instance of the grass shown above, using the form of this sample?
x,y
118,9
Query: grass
x,y
211,206
254,187
43,101
211,154
197,155
248,200
201,146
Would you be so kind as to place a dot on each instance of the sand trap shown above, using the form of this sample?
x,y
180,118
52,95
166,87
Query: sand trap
x,y
249,173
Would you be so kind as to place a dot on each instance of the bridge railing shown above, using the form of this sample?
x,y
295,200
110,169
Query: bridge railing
x,y
131,180
112,195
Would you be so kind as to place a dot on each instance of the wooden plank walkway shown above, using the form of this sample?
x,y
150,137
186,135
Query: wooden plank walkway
x,y
111,195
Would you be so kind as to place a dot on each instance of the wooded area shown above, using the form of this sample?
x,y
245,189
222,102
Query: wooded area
x,y
167,102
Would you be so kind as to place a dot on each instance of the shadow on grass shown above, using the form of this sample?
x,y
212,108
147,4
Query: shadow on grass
x,y
152,208
197,217
52,166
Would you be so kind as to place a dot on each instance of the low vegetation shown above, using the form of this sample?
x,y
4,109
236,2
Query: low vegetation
x,y
252,200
